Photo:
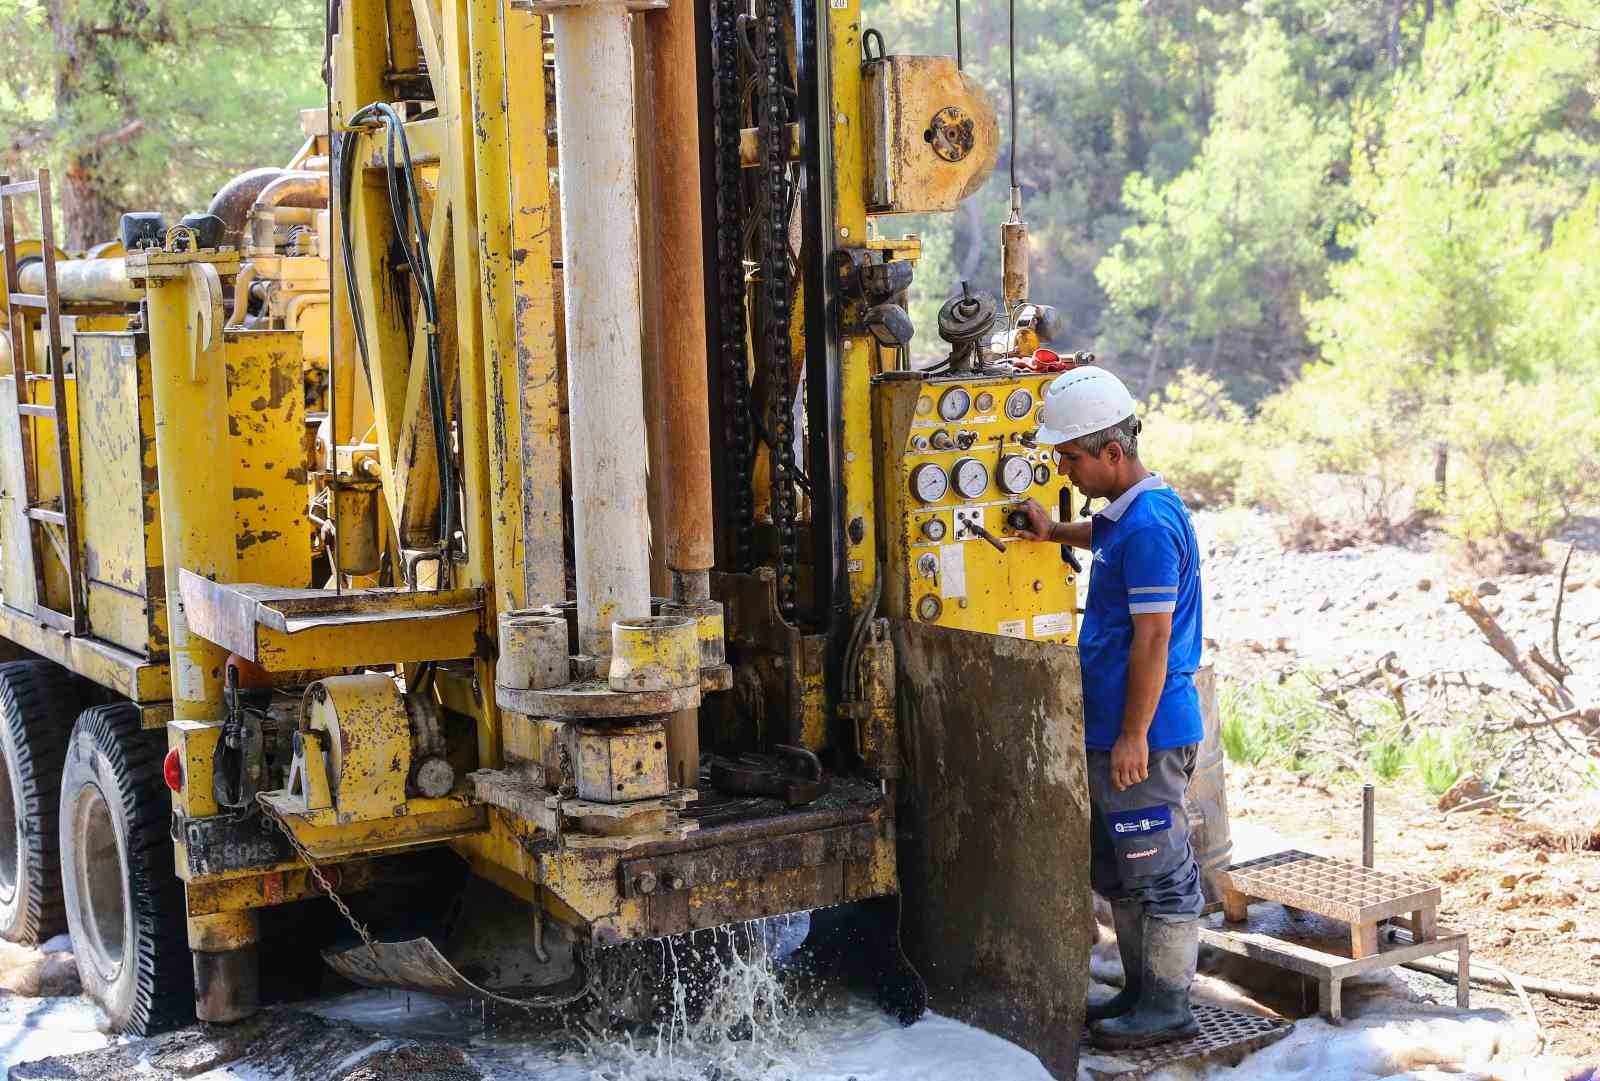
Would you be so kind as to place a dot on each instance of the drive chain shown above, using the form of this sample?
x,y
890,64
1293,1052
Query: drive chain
x,y
774,143
731,278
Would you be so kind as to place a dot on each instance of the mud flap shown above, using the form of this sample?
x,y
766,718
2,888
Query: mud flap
x,y
491,954
994,829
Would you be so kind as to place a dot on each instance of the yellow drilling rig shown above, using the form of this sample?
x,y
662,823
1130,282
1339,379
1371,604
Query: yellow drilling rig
x,y
519,510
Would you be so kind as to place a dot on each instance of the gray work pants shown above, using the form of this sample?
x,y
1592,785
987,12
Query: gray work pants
x,y
1139,837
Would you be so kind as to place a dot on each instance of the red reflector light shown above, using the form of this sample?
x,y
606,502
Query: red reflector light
x,y
172,770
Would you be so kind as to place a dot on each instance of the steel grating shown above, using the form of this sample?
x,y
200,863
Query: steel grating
x,y
1226,1038
1333,888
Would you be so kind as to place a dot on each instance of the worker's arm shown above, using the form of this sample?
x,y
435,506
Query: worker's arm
x,y
1147,676
1041,527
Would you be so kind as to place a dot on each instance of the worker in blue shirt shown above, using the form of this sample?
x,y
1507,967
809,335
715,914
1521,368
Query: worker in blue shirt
x,y
1139,647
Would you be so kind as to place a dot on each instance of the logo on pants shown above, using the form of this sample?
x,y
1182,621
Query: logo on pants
x,y
1145,820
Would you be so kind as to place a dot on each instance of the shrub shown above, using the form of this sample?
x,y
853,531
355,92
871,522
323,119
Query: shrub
x,y
1440,760
1198,438
1524,457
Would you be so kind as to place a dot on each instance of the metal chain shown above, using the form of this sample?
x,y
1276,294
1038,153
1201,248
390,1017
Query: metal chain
x,y
730,278
321,880
774,143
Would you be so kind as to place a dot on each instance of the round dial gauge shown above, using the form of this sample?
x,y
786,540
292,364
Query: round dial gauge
x,y
1018,402
1015,474
933,529
929,483
954,403
970,477
985,402
1041,474
924,406
928,608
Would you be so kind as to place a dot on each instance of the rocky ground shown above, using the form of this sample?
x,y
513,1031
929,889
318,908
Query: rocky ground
x,y
1271,610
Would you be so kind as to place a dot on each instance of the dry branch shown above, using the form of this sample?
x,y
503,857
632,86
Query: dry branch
x,y
1501,643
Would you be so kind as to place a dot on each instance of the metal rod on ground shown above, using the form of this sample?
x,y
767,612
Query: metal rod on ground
x,y
1368,824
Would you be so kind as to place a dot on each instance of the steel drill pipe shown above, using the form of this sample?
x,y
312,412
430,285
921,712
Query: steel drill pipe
x,y
84,281
595,109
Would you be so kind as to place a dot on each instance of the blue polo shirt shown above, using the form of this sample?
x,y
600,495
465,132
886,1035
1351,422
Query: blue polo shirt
x,y
1146,559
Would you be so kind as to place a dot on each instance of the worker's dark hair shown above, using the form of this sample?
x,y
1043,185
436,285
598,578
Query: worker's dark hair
x,y
1124,433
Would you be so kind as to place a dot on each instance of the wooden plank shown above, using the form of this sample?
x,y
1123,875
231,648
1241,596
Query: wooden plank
x,y
45,514
20,187
29,409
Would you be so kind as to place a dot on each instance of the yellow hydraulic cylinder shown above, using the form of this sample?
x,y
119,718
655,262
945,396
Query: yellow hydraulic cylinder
x,y
189,384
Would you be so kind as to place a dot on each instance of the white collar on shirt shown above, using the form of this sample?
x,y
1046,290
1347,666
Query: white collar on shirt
x,y
1118,506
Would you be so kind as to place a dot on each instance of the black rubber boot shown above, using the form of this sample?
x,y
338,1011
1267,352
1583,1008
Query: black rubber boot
x,y
1129,919
1162,1012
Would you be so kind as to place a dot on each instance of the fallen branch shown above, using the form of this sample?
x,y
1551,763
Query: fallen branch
x,y
1555,620
1561,989
1589,715
1502,644
1475,804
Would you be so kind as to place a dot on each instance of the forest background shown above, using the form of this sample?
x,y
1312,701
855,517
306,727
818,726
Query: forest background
x,y
1348,249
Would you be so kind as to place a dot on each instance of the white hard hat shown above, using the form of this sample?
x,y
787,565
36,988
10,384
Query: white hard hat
x,y
1080,402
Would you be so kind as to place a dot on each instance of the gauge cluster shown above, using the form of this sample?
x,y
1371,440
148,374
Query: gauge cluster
x,y
960,457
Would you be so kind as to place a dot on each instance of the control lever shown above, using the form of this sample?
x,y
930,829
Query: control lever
x,y
978,531
1018,520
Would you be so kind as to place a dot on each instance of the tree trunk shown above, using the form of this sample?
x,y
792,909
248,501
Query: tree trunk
x,y
1394,33
86,84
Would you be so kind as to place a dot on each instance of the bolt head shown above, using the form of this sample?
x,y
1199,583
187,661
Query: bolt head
x,y
645,883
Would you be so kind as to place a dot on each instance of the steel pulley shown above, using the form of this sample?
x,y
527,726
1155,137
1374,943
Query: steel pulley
x,y
963,322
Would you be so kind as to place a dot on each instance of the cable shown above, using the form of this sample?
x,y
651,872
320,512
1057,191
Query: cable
x,y
1011,30
406,209
958,35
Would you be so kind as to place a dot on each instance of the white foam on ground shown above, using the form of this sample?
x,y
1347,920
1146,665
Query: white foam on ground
x,y
35,1028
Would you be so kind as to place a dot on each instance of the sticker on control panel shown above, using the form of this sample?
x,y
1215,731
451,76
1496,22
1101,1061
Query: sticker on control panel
x,y
1013,628
1052,623
953,570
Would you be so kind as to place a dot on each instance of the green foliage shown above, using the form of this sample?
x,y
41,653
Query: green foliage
x,y
1441,759
1523,457
1270,723
1198,438
1219,257
152,105
1386,758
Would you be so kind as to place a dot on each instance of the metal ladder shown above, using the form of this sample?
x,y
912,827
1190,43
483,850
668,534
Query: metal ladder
x,y
28,311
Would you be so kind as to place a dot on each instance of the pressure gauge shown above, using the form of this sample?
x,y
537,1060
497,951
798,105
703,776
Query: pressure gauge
x,y
929,483
970,477
984,402
1041,474
924,406
954,403
1015,474
1018,402
928,608
933,529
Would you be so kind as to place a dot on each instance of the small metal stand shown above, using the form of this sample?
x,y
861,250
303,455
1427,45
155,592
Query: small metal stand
x,y
1330,923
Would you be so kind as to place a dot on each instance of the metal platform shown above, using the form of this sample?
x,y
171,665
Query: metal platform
x,y
1226,1038
1319,948
1359,896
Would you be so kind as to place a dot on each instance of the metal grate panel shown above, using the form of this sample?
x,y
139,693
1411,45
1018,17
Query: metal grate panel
x,y
1226,1038
1334,888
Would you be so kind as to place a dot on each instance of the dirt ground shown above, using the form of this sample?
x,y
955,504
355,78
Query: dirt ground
x,y
1528,904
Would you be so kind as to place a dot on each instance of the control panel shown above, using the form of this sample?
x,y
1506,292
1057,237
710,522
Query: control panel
x,y
957,458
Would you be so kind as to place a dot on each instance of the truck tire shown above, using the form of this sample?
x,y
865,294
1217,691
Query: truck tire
x,y
124,903
38,701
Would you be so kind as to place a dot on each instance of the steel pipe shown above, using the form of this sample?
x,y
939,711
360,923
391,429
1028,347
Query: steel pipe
x,y
84,281
299,188
600,235
232,203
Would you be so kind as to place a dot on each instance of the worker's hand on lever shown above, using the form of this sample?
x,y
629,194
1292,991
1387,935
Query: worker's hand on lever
x,y
1039,521
1130,761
